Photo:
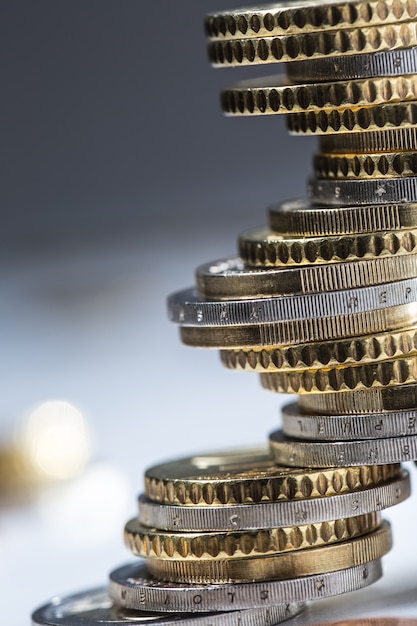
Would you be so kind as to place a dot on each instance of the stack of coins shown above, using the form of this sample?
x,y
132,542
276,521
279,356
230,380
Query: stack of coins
x,y
323,304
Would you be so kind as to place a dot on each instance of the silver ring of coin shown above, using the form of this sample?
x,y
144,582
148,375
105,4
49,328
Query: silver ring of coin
x,y
375,191
95,608
131,586
188,309
388,63
294,453
273,514
392,139
347,427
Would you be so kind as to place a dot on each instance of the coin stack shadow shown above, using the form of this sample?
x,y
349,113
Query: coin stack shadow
x,y
323,304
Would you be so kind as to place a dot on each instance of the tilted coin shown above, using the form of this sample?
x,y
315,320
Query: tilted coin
x,y
399,371
368,165
347,427
364,119
277,95
282,18
329,43
261,247
229,279
357,350
189,309
385,140
301,218
152,543
132,587
403,397
387,63
362,498
292,332
368,191
290,565
95,607
338,453
248,476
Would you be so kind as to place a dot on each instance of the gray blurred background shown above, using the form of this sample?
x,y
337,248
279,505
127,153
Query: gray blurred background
x,y
119,177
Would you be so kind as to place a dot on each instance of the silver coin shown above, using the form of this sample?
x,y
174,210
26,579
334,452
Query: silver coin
x,y
189,309
388,63
90,608
390,140
132,587
279,514
301,218
347,427
340,453
364,191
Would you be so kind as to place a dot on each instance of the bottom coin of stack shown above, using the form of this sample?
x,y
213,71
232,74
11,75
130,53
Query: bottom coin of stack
x,y
232,539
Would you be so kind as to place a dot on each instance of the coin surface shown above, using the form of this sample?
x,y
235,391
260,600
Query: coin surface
x,y
90,608
283,18
291,332
399,398
367,191
383,117
329,43
371,141
347,427
338,453
131,586
229,279
154,543
248,476
261,247
387,63
362,166
351,351
290,565
355,501
277,95
392,373
301,218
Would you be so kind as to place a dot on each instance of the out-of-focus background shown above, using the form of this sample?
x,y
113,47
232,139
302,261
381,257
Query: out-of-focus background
x,y
119,176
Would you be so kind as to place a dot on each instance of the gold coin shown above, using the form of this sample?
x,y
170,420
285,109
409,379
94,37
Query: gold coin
x,y
386,140
249,476
332,354
229,279
328,43
300,331
300,218
359,166
292,18
400,398
391,373
151,543
285,566
277,95
353,120
261,247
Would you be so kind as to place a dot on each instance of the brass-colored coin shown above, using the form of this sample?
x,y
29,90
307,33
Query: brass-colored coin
x,y
400,398
263,248
285,48
354,120
277,95
249,476
332,354
300,331
392,373
151,543
298,218
386,140
285,18
229,279
285,566
371,165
